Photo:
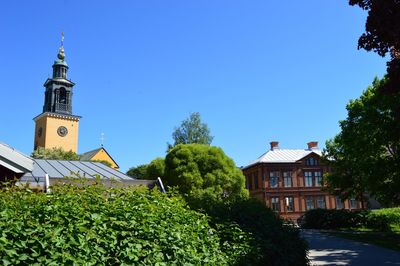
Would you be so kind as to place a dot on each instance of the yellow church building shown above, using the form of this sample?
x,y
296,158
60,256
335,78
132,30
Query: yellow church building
x,y
57,126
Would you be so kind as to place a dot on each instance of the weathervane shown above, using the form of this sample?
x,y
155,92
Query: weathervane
x,y
102,139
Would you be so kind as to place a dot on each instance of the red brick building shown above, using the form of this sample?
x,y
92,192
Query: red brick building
x,y
290,181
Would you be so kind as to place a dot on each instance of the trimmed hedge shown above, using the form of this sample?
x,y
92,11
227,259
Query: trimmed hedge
x,y
382,220
92,225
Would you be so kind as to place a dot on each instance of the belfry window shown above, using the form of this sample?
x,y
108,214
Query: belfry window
x,y
63,96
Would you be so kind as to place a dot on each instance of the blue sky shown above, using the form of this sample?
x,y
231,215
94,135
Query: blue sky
x,y
257,71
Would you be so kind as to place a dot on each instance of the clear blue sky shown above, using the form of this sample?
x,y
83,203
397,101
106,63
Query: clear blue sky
x,y
257,71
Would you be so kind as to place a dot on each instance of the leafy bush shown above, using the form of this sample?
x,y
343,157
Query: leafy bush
x,y
331,219
204,173
252,234
382,220
91,224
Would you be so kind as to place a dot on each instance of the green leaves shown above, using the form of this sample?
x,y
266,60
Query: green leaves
x,y
192,130
204,173
94,225
365,155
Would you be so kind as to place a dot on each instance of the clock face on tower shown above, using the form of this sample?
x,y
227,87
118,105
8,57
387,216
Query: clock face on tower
x,y
62,131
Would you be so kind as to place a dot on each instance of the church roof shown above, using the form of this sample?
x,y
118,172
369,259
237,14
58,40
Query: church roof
x,y
14,160
87,156
284,156
63,168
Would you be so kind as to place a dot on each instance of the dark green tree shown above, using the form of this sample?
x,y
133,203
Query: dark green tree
x,y
155,168
192,130
54,154
138,172
204,173
382,35
365,155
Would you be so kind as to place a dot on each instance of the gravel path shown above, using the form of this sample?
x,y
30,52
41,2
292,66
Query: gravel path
x,y
330,250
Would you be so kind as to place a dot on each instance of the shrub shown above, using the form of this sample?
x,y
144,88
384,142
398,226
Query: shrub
x,y
331,219
90,225
382,220
252,234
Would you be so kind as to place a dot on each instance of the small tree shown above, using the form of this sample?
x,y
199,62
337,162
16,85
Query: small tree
x,y
54,154
192,130
203,173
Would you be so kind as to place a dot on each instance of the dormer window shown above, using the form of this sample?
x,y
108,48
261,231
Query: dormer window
x,y
311,161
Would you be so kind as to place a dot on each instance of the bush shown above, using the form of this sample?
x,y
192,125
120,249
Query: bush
x,y
90,225
331,219
382,220
252,234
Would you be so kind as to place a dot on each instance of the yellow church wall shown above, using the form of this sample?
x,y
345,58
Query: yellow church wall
x,y
51,139
103,156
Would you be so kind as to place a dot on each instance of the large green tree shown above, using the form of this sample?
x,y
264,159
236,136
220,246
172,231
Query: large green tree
x,y
204,173
365,155
192,130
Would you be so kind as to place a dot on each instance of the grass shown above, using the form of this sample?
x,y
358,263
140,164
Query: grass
x,y
389,240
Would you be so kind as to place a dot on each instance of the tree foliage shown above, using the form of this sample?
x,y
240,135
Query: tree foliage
x,y
382,35
192,130
365,155
149,171
138,172
203,172
155,168
54,154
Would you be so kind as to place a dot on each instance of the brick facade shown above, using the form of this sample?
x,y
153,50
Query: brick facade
x,y
292,187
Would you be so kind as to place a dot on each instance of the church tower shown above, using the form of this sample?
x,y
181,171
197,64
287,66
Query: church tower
x,y
56,126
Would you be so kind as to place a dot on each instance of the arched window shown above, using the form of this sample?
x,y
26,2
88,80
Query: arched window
x,y
63,96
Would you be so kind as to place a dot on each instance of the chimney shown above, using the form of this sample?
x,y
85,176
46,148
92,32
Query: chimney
x,y
274,145
312,145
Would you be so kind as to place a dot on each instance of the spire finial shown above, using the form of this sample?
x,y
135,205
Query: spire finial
x,y
61,54
62,39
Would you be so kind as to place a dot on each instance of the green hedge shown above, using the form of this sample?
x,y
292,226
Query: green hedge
x,y
382,220
252,234
94,225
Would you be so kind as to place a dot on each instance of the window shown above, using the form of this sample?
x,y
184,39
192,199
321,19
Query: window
x,y
339,203
308,179
249,182
287,179
63,96
275,204
311,161
255,176
289,204
318,178
321,202
309,203
353,203
273,179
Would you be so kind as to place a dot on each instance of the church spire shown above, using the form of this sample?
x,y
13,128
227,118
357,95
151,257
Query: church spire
x,y
61,54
